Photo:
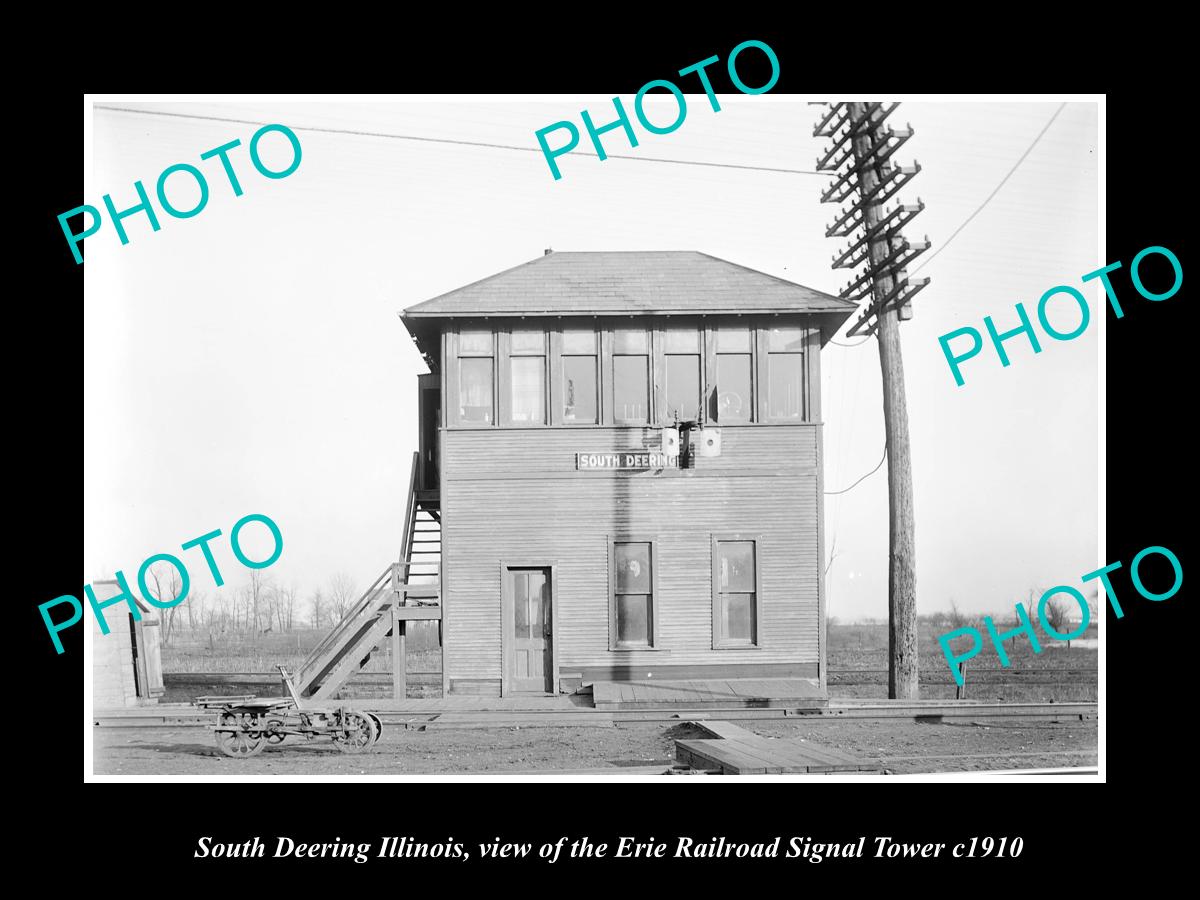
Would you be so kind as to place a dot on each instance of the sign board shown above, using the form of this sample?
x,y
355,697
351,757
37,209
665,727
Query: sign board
x,y
626,460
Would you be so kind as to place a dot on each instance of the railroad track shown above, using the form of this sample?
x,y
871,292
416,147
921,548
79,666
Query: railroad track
x,y
429,715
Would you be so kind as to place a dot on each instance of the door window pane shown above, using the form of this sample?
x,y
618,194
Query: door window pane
x,y
683,386
633,620
475,389
537,604
528,342
520,606
633,568
475,342
737,565
528,389
579,390
733,387
631,390
786,390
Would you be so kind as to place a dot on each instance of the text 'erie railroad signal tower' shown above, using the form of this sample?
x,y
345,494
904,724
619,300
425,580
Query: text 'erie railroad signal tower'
x,y
860,160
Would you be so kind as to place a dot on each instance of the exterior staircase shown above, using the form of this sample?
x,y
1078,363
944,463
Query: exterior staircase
x,y
407,590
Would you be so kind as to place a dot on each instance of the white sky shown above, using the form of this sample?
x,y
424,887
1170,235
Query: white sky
x,y
250,359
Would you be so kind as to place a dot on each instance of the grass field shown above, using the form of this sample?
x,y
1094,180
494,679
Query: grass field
x,y
857,662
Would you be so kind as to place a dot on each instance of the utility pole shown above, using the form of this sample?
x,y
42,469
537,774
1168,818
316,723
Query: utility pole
x,y
860,158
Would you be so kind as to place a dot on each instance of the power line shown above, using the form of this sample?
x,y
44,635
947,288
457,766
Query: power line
x,y
977,211
864,478
989,197
430,140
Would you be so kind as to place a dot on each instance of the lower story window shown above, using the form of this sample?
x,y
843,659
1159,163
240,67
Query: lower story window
x,y
735,593
632,612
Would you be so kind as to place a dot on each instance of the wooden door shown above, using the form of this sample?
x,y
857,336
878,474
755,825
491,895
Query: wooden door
x,y
531,668
431,420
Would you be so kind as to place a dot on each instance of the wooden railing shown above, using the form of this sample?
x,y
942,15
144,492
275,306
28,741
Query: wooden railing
x,y
379,590
382,590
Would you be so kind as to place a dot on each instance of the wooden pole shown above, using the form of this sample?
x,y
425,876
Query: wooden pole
x,y
902,582
398,686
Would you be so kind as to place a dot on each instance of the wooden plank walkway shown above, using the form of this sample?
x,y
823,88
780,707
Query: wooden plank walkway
x,y
730,692
737,751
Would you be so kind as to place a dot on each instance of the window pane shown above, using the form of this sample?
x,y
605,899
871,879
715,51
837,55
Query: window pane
x,y
537,605
475,342
631,390
528,342
739,617
528,389
787,386
475,389
520,606
683,386
733,340
681,340
579,390
733,387
787,338
736,562
630,342
579,342
633,620
632,563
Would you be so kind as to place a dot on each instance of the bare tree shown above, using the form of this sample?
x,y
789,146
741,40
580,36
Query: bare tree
x,y
318,608
342,594
165,584
289,595
196,603
258,589
956,618
1058,612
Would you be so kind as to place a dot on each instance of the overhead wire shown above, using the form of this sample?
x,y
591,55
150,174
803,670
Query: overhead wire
x,y
864,478
431,140
980,208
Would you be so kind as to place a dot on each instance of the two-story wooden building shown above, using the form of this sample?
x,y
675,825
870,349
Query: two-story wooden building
x,y
569,539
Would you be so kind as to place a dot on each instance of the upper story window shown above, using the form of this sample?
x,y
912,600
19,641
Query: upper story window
x,y
732,392
580,394
682,355
785,373
475,385
527,377
733,370
631,377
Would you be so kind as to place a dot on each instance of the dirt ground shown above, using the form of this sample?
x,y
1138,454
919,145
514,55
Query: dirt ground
x,y
942,748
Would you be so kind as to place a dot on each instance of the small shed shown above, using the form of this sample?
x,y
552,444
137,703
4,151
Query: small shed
x,y
126,662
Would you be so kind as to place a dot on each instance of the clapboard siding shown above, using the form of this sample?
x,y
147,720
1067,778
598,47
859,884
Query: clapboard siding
x,y
514,496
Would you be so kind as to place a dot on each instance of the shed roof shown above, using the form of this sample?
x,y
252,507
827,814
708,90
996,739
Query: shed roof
x,y
628,282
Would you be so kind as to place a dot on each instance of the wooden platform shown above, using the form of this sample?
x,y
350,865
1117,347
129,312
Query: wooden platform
x,y
737,751
699,693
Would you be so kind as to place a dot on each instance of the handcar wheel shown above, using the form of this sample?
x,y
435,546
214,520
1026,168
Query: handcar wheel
x,y
273,736
358,733
378,728
240,744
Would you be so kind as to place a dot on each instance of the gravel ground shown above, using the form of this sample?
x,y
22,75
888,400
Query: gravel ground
x,y
906,747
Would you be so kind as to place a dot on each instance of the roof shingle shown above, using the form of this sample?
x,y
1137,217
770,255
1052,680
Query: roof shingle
x,y
625,282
